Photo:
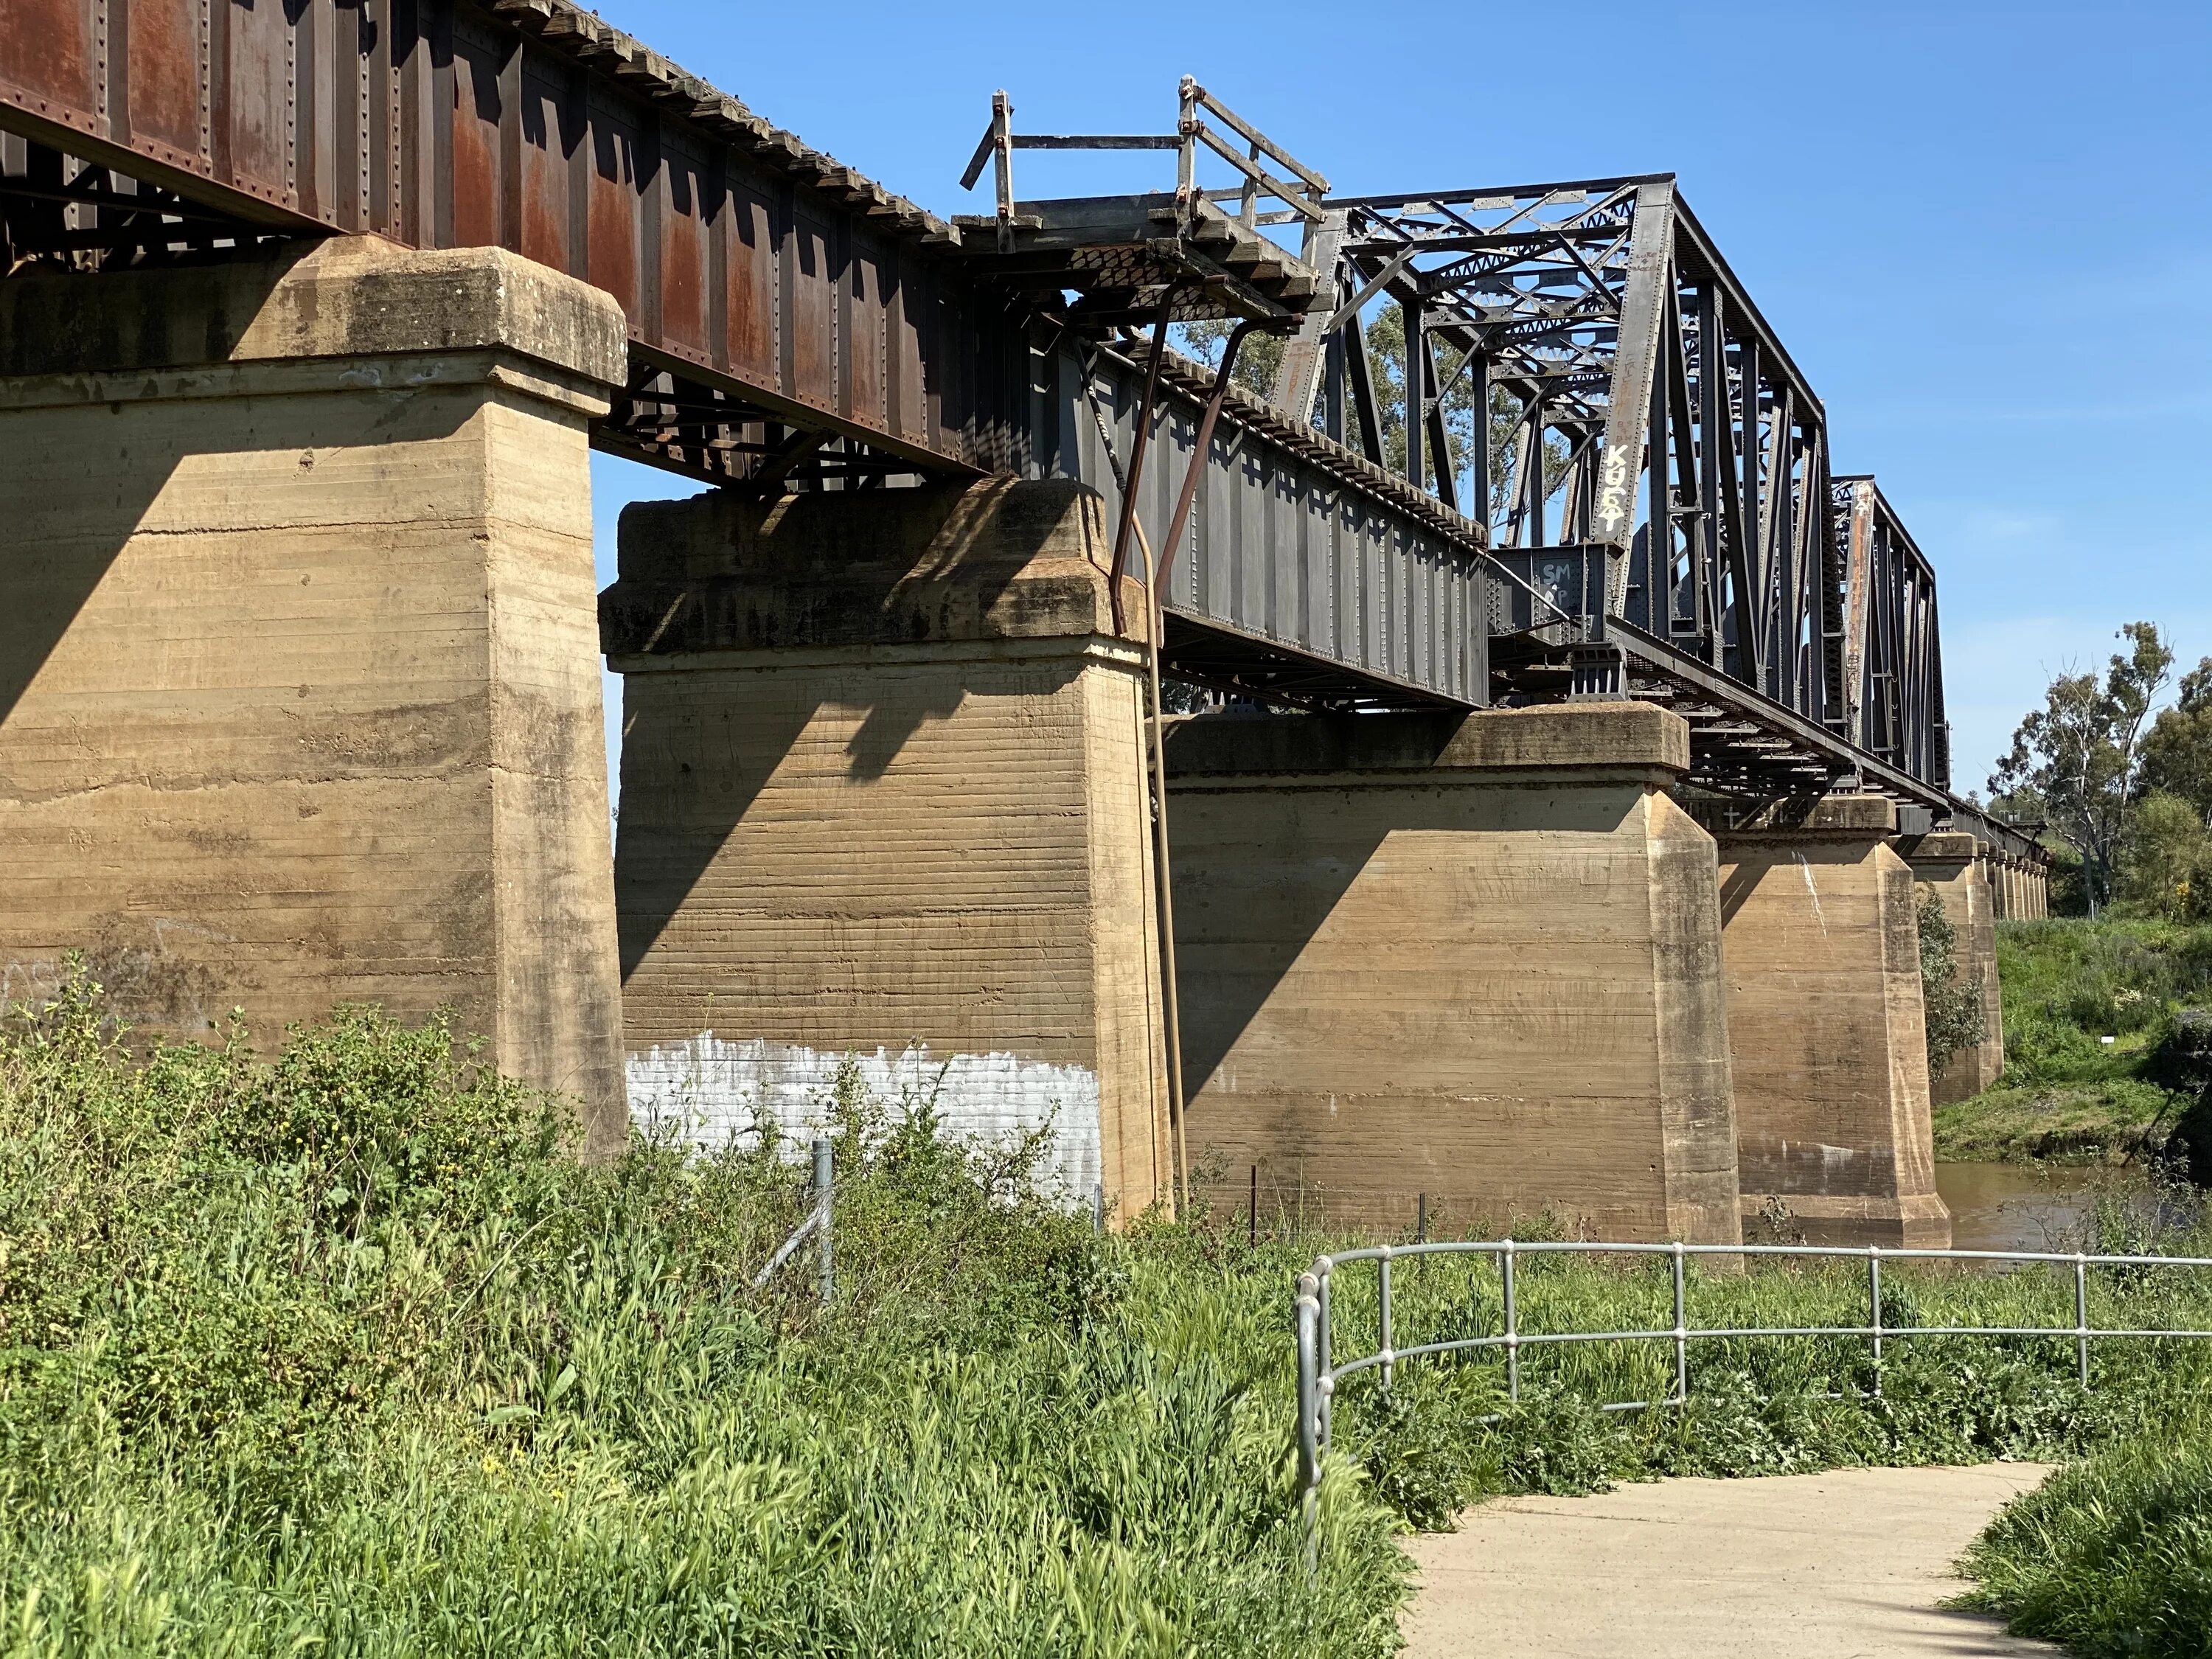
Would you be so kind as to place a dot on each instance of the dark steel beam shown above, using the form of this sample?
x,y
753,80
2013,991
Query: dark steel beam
x,y
759,265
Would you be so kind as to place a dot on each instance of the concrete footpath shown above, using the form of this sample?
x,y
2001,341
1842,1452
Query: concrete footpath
x,y
1851,1564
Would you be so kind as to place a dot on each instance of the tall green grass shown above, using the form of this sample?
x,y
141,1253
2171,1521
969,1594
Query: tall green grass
x,y
2112,1555
343,1353
2066,1094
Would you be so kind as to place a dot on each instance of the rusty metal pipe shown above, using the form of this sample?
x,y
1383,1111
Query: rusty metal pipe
x,y
1156,599
1138,444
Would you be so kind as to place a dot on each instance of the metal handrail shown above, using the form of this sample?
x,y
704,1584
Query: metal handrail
x,y
1319,1374
816,1226
1301,193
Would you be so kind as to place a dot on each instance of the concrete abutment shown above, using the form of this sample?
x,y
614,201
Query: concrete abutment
x,y
884,795
297,698
1471,957
1821,934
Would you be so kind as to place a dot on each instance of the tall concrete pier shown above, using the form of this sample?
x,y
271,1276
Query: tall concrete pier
x,y
1820,935
1476,958
297,698
884,795
1950,865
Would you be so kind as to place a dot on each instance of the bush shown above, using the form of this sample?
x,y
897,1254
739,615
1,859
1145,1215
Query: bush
x,y
2112,1555
343,1351
1951,1001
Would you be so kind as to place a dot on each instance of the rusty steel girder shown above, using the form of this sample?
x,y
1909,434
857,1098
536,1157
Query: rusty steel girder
x,y
765,283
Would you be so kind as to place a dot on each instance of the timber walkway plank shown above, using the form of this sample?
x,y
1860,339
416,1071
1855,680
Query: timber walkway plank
x,y
1848,1564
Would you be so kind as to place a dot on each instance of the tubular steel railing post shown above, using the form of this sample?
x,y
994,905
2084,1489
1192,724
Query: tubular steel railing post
x,y
1873,1310
2081,1316
1389,1357
1681,1332
1318,1373
824,1165
1309,1322
1512,1324
1323,1270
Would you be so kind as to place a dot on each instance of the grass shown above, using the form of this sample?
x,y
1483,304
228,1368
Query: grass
x,y
2065,1096
2112,1555
343,1353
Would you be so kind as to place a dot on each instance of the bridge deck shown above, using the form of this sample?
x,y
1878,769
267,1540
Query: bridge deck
x,y
792,323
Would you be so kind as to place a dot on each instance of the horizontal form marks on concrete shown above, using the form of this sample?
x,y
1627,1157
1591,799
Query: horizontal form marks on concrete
x,y
1848,1564
1471,971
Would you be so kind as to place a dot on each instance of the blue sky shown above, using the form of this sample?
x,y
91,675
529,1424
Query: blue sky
x,y
1984,231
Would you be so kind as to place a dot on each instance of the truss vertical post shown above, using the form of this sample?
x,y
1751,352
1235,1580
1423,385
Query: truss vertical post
x,y
1438,435
1478,486
1293,390
1416,391
1650,263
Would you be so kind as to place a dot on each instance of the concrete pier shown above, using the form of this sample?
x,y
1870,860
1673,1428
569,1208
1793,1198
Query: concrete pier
x,y
883,796
297,697
1949,866
1821,939
1473,957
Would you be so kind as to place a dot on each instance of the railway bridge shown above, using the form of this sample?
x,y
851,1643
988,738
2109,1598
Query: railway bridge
x,y
1563,751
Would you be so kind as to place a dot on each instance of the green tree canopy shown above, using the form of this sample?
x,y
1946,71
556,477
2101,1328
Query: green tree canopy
x,y
1259,359
2178,753
2076,761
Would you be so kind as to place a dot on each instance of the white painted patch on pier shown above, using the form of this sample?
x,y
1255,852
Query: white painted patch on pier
x,y
709,1090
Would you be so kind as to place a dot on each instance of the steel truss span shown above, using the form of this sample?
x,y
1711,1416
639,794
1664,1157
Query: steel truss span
x,y
1666,521
1662,505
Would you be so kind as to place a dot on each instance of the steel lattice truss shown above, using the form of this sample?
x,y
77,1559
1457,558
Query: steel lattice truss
x,y
1668,514
1893,660
1667,523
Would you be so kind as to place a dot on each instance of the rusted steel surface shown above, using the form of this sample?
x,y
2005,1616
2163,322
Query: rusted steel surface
x,y
745,259
1893,651
1306,573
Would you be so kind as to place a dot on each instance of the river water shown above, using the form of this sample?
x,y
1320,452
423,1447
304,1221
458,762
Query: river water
x,y
2031,1206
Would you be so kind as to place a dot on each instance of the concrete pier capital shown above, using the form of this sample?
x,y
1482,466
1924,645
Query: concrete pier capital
x,y
1627,742
1825,818
342,299
1003,560
1940,847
